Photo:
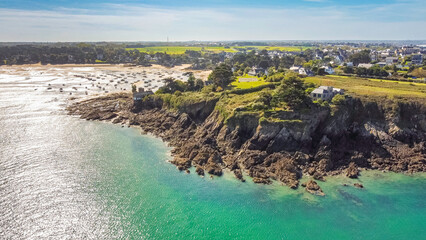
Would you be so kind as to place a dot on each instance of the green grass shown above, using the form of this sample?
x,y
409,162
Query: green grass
x,y
227,104
244,85
99,61
375,88
177,50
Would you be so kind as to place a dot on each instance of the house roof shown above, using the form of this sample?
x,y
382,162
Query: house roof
x,y
319,90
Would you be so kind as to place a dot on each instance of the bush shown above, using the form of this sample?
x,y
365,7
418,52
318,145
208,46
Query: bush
x,y
338,99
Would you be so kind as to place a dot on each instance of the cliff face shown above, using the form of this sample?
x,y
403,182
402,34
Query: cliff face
x,y
318,142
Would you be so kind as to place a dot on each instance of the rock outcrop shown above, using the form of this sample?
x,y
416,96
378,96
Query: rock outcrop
x,y
316,143
313,188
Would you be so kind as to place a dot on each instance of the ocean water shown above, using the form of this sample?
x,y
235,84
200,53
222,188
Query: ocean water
x,y
65,178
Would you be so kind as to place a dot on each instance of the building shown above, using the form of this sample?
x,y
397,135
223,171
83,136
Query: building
x,y
325,93
307,72
391,60
329,70
295,68
140,94
365,65
417,59
339,59
256,71
382,64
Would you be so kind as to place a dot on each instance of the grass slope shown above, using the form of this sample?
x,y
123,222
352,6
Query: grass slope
x,y
374,88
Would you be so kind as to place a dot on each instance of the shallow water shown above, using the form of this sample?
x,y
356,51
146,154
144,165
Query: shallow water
x,y
65,178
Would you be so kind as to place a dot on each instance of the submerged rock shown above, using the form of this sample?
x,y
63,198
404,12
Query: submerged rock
x,y
312,187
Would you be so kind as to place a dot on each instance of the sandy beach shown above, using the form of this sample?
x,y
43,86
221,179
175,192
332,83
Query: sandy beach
x,y
79,80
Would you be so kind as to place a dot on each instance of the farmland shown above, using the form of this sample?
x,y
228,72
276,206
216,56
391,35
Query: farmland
x,y
275,48
176,50
374,88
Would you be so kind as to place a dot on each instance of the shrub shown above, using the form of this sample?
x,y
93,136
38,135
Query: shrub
x,y
338,99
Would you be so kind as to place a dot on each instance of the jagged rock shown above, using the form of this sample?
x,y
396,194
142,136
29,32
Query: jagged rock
x,y
318,176
262,180
238,174
199,171
352,171
301,158
365,134
313,188
182,163
214,169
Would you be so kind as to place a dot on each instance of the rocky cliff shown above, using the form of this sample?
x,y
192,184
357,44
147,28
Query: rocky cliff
x,y
317,142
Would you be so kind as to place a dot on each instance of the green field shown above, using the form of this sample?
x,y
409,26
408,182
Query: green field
x,y
376,88
176,50
279,48
246,84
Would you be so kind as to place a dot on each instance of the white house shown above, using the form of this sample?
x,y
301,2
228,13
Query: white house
x,y
295,68
329,70
326,93
304,71
391,60
365,65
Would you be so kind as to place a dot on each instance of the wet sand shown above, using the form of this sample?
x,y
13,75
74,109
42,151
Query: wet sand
x,y
93,79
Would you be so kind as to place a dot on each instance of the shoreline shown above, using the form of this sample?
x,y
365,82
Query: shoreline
x,y
192,147
203,74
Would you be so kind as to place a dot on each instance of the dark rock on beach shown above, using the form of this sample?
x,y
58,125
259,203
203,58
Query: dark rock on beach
x,y
313,188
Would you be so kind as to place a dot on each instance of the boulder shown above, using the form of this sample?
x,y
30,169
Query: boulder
x,y
262,180
199,171
312,187
352,171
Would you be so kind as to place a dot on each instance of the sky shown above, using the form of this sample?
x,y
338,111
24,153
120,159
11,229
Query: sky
x,y
211,20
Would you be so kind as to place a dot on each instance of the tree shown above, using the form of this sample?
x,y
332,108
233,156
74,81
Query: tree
x,y
222,76
172,85
360,57
299,61
292,91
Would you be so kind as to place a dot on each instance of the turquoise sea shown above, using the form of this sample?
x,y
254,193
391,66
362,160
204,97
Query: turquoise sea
x,y
66,178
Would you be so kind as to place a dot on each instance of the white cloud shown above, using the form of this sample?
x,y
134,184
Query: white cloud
x,y
147,23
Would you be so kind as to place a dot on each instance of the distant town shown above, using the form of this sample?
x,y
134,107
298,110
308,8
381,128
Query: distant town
x,y
393,60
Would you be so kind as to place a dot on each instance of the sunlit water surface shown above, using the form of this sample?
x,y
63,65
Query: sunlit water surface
x,y
66,178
